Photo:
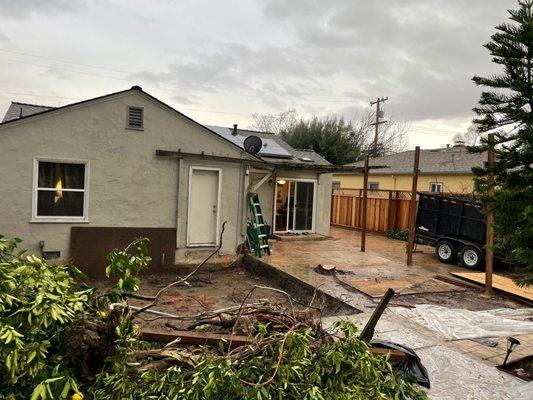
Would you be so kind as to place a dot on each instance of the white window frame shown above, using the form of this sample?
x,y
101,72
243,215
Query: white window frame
x,y
193,168
315,201
60,219
373,183
439,184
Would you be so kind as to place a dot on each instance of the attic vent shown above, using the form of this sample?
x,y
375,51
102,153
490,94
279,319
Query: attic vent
x,y
135,118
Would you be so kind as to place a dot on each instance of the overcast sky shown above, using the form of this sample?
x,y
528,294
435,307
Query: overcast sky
x,y
221,61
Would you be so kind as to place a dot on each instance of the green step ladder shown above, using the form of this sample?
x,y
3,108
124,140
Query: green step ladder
x,y
258,230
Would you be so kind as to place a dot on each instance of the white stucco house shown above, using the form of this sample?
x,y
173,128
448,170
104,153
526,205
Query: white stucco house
x,y
80,179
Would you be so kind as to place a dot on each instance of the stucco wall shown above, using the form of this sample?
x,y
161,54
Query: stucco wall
x,y
452,183
323,211
129,185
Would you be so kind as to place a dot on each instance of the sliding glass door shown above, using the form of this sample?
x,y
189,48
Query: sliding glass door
x,y
294,205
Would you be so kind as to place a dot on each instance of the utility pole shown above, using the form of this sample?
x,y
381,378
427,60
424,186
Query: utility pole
x,y
378,122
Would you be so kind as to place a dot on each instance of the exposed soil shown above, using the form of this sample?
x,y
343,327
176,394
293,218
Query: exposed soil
x,y
471,299
522,368
215,287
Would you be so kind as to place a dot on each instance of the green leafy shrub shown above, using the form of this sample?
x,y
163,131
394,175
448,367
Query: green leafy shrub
x,y
38,301
398,235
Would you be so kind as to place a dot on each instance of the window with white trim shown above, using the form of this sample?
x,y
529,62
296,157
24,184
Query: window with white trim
x,y
436,187
373,185
60,190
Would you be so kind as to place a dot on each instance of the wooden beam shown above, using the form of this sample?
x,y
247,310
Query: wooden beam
x,y
412,207
489,256
363,211
263,163
368,331
193,338
395,356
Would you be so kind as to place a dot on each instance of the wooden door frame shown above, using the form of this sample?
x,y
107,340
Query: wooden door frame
x,y
192,168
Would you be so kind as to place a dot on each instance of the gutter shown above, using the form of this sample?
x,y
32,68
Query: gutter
x,y
319,169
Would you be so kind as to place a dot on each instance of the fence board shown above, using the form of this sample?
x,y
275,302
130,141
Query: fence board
x,y
386,209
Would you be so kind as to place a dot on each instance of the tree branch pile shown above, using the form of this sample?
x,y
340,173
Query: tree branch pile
x,y
60,339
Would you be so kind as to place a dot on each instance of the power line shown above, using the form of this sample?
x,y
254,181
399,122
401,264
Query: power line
x,y
64,61
436,129
314,97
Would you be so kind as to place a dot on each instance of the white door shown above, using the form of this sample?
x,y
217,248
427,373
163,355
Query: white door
x,y
202,223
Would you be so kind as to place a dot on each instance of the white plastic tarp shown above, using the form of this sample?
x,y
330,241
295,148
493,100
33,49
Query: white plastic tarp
x,y
464,324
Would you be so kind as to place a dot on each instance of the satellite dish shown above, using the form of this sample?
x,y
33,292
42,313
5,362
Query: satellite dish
x,y
253,144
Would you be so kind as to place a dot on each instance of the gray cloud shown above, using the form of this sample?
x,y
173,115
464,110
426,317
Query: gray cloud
x,y
421,54
25,8
3,38
266,55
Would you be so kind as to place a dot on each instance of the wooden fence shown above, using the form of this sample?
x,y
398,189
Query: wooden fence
x,y
386,209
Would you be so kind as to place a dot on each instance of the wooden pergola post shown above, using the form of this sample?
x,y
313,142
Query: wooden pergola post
x,y
489,256
412,207
363,211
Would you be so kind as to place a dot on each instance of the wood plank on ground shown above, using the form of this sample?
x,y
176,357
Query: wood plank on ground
x,y
193,338
498,282
415,285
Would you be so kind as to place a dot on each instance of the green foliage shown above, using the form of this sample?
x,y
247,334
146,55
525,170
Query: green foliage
x,y
398,235
507,110
37,303
336,140
128,266
335,370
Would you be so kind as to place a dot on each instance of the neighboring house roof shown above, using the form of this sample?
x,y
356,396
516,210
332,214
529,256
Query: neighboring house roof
x,y
452,160
275,149
18,110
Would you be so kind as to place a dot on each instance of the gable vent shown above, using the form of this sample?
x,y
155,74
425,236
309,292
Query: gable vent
x,y
135,118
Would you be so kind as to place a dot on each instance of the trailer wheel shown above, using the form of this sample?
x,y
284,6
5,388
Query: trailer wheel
x,y
446,251
471,257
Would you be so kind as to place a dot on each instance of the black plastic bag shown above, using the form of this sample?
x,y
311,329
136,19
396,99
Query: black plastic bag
x,y
411,365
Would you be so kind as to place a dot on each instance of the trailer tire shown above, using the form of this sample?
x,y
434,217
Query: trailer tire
x,y
471,257
446,251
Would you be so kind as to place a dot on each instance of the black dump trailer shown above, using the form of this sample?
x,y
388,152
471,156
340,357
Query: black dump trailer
x,y
456,227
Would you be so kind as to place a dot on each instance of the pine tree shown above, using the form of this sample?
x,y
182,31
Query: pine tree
x,y
506,109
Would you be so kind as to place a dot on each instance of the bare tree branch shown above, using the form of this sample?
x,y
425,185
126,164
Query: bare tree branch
x,y
184,279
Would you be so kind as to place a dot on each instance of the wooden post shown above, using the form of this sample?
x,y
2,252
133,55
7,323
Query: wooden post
x,y
389,212
490,218
363,211
412,208
368,331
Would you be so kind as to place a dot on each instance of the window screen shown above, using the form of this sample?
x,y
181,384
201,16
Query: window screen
x,y
373,185
60,189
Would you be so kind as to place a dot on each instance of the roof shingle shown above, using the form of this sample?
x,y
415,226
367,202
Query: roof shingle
x,y
18,110
453,160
